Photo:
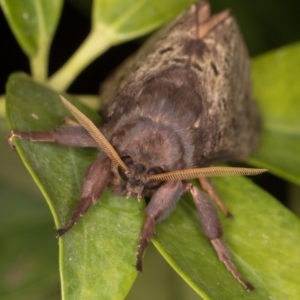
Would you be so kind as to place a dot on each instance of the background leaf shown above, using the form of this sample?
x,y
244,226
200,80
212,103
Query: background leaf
x,y
33,23
29,266
91,262
114,22
276,88
129,19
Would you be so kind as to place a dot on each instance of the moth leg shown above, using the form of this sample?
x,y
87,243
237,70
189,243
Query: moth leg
x,y
211,191
71,122
213,231
74,136
95,180
160,206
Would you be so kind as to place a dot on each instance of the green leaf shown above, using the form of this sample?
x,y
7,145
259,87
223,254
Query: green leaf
x,y
261,239
114,22
132,18
98,254
92,264
33,23
276,88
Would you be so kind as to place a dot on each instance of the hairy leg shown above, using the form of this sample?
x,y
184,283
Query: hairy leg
x,y
66,135
213,231
160,206
95,180
211,191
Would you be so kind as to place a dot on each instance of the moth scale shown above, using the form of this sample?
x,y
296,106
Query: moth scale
x,y
180,106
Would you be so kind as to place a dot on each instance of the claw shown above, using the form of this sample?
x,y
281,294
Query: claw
x,y
61,231
10,137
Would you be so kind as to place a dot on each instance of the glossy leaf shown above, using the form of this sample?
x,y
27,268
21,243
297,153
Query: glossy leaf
x,y
261,239
90,252
33,23
276,89
98,254
125,20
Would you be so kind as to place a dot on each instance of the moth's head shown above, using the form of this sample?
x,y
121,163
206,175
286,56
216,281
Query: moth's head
x,y
136,177
147,148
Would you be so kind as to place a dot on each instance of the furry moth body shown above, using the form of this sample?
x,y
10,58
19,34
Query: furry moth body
x,y
184,104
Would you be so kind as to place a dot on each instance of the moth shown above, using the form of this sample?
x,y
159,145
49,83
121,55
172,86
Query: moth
x,y
180,106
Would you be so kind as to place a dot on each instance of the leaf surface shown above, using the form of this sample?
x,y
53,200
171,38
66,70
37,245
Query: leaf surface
x,y
129,19
261,239
32,21
276,89
97,256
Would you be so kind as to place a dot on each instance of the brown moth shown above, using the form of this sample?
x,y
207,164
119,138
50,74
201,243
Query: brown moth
x,y
181,105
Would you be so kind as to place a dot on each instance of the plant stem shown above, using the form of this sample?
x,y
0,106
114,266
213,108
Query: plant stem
x,y
39,64
92,101
94,45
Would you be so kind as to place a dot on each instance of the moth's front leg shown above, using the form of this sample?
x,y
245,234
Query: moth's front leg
x,y
65,135
95,180
160,206
213,231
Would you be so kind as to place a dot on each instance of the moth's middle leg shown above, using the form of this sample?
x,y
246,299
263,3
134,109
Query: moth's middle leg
x,y
206,185
162,202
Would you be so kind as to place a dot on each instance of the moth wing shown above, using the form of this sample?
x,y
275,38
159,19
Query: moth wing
x,y
154,56
208,55
225,78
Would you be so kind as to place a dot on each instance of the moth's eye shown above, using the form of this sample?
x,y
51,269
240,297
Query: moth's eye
x,y
155,170
122,174
151,185
129,163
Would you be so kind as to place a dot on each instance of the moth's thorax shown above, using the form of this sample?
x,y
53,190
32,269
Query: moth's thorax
x,y
147,147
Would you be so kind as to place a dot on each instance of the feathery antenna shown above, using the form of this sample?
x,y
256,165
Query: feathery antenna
x,y
95,133
204,172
